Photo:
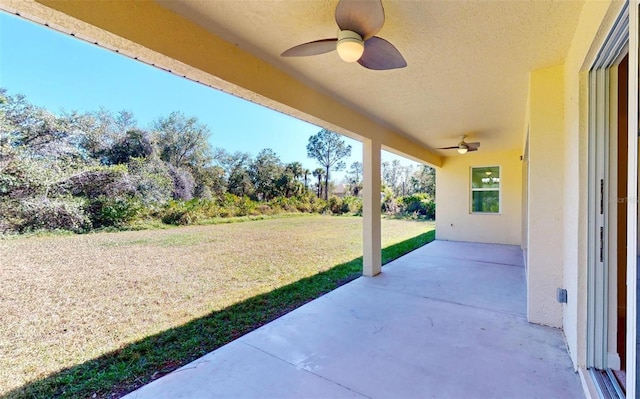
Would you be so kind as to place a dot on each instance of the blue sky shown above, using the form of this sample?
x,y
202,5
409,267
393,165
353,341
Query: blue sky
x,y
59,72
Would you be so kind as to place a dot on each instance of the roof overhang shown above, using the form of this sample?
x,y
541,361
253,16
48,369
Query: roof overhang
x,y
469,62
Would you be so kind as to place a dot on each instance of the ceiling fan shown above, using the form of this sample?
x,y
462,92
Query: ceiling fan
x,y
358,21
463,147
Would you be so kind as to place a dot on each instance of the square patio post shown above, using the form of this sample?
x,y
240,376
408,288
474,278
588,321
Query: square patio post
x,y
371,212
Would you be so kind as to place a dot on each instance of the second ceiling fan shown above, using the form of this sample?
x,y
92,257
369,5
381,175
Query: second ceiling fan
x,y
358,22
463,147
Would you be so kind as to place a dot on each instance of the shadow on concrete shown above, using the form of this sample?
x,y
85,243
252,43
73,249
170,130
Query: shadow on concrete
x,y
117,373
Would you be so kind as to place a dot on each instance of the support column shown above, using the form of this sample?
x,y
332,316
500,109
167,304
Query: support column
x,y
546,190
371,212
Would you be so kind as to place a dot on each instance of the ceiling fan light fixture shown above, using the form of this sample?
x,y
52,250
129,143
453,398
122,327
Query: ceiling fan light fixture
x,y
350,46
463,148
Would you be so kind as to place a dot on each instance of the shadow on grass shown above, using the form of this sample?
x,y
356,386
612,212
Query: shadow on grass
x,y
119,372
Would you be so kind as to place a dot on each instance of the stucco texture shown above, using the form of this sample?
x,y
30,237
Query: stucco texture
x,y
546,191
455,221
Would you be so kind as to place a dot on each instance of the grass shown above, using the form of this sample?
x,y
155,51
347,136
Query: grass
x,y
106,313
151,224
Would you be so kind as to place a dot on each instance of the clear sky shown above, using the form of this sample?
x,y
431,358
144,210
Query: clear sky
x,y
59,72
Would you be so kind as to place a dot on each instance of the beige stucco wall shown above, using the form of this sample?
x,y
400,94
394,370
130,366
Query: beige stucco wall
x,y
454,219
545,195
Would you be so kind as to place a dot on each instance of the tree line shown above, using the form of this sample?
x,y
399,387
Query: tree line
x,y
84,170
397,180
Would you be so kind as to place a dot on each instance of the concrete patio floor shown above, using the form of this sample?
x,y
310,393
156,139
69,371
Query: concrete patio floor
x,y
445,321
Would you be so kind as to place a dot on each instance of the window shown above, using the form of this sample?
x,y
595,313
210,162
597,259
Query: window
x,y
485,189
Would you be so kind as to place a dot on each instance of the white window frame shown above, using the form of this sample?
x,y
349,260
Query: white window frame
x,y
472,190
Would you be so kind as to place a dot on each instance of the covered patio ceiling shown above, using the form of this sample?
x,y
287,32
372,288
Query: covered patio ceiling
x,y
468,61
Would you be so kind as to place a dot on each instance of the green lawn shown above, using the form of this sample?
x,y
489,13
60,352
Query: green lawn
x,y
105,313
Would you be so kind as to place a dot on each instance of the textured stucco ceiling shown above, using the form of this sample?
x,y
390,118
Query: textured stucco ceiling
x,y
468,61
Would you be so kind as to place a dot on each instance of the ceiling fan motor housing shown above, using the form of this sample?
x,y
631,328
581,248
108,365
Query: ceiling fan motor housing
x,y
350,45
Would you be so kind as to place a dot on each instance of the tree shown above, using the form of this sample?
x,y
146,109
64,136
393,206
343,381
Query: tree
x,y
153,183
355,172
183,183
289,182
405,176
390,175
37,149
328,149
424,181
183,142
36,131
295,168
264,172
306,173
134,144
235,167
125,121
319,174
101,130
399,178
287,185
354,177
210,180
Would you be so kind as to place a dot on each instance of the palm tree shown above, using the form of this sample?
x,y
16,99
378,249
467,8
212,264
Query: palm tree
x,y
319,173
296,169
306,176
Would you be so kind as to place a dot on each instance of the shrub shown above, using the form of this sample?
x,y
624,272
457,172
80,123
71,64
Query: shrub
x,y
309,203
263,209
52,214
233,205
21,177
6,226
113,211
419,204
319,206
389,204
184,213
345,208
208,208
183,183
11,219
203,192
193,211
431,210
108,181
286,204
335,205
303,205
152,181
351,205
